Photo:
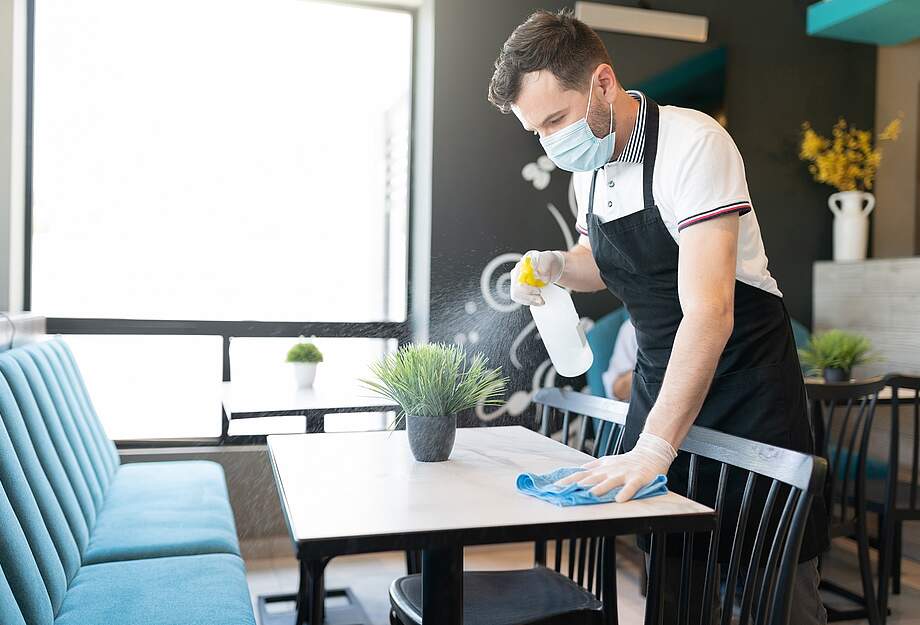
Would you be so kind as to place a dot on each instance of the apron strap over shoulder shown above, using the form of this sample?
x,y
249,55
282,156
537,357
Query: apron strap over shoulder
x,y
651,151
591,195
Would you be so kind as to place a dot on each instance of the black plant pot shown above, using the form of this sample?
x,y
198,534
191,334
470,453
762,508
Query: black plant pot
x,y
836,374
431,438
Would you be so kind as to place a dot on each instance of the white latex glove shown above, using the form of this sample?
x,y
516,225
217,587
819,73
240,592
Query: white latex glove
x,y
547,267
651,456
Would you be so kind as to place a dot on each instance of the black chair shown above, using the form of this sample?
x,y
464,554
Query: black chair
x,y
842,415
568,584
894,500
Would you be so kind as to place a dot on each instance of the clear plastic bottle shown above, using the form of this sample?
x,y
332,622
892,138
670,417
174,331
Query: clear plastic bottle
x,y
562,334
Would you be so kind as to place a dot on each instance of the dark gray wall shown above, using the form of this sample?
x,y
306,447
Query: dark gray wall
x,y
776,78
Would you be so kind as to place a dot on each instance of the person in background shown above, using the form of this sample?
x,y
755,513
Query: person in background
x,y
619,375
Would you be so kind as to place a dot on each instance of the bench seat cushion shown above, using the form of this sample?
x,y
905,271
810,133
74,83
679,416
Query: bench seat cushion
x,y
188,590
156,509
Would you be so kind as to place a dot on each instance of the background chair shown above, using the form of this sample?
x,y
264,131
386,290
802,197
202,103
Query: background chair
x,y
842,416
897,500
572,578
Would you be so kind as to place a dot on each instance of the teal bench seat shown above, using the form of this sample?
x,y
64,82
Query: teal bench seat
x,y
164,509
183,590
85,539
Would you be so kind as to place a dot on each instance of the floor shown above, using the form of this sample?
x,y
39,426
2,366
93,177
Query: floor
x,y
370,575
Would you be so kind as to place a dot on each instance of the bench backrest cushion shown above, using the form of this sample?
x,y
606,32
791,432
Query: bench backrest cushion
x,y
51,446
21,471
25,577
68,364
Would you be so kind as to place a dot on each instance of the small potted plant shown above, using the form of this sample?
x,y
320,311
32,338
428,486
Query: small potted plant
x,y
432,383
834,354
304,357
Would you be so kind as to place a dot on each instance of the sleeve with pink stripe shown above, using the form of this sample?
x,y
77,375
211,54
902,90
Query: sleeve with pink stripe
x,y
712,181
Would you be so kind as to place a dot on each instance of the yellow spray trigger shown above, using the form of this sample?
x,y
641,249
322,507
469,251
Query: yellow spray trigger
x,y
527,276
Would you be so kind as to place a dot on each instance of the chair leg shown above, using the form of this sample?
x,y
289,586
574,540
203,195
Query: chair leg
x,y
886,541
394,619
865,570
896,561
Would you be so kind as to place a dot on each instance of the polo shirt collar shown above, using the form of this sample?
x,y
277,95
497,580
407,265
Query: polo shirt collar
x,y
635,147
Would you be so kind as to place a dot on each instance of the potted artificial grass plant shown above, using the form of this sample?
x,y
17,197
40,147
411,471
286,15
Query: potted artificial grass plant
x,y
834,354
304,357
432,383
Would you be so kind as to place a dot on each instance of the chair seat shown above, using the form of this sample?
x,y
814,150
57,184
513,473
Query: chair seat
x,y
187,590
537,596
157,509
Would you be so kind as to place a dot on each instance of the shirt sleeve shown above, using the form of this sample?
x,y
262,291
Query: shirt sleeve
x,y
623,359
711,182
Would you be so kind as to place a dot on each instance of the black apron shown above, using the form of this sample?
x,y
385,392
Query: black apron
x,y
757,391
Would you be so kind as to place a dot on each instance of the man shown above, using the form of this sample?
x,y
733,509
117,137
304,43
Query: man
x,y
668,226
618,377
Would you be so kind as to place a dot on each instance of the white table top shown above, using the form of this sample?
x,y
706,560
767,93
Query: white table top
x,y
281,399
339,487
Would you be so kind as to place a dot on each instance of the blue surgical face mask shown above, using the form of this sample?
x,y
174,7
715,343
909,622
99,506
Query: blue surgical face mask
x,y
576,147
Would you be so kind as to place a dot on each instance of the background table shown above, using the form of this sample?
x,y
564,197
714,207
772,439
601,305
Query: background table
x,y
252,401
884,395
362,492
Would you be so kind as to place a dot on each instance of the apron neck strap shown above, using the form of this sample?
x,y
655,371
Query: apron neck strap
x,y
650,151
591,196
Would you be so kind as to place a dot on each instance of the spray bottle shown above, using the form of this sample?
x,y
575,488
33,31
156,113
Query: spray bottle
x,y
558,325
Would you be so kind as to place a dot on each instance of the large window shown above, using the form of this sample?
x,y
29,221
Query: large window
x,y
220,159
215,161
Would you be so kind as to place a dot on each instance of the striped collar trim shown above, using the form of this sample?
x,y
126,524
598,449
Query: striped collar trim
x,y
635,147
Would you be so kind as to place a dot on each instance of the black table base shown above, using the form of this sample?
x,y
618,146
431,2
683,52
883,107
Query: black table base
x,y
350,614
306,609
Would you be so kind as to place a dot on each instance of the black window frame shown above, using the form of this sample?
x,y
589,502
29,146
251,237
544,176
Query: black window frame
x,y
401,331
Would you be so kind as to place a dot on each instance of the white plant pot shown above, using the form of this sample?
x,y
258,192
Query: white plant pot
x,y
851,223
304,373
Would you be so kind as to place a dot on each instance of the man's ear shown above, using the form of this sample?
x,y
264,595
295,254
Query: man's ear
x,y
607,81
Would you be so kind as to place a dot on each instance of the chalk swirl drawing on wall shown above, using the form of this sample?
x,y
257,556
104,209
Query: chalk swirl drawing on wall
x,y
495,287
538,173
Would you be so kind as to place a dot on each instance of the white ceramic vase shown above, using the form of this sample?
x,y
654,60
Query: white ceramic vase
x,y
851,223
304,373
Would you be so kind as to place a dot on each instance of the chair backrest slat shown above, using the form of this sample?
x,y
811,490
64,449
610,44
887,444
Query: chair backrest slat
x,y
592,562
750,580
846,409
913,478
565,427
899,382
571,559
712,557
768,587
767,583
849,468
734,561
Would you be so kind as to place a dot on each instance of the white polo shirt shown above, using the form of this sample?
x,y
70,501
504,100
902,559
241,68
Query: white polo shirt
x,y
623,359
699,175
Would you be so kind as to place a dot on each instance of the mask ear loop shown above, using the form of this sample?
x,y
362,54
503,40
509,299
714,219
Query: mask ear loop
x,y
587,110
590,91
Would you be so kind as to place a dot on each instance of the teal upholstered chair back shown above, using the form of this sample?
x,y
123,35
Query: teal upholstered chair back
x,y
601,338
802,336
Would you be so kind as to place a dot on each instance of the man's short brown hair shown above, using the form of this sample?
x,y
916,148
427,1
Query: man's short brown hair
x,y
557,42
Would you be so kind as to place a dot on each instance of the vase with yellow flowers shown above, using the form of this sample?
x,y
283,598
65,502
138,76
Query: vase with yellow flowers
x,y
847,161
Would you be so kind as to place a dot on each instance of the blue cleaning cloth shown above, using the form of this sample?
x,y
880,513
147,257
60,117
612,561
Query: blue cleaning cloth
x,y
543,487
